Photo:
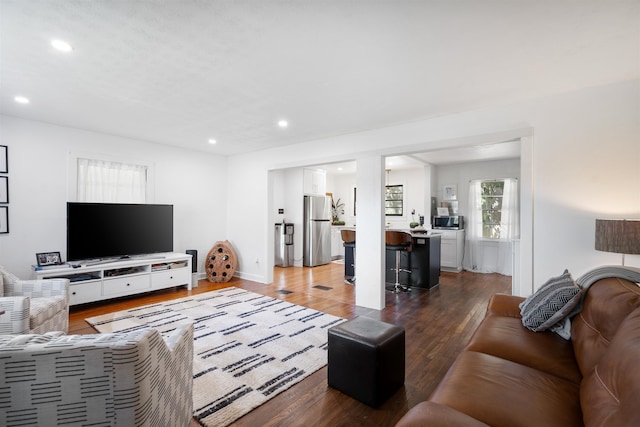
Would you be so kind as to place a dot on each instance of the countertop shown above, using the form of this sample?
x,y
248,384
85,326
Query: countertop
x,y
414,233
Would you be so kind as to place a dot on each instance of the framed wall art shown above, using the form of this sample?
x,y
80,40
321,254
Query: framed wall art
x,y
450,192
4,159
4,189
4,219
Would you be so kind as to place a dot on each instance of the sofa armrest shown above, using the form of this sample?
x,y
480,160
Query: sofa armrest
x,y
179,378
182,335
504,305
38,288
15,319
163,390
435,415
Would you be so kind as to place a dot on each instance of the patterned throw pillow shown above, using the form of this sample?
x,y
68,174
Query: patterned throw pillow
x,y
551,304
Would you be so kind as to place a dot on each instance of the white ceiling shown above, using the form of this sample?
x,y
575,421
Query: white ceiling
x,y
181,72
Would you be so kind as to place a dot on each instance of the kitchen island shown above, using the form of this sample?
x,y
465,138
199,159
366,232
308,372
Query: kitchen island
x,y
423,261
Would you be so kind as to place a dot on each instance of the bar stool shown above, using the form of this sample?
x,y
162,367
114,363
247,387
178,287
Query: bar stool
x,y
349,243
399,241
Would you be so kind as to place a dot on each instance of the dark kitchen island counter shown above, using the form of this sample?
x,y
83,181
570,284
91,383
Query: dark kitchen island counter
x,y
423,261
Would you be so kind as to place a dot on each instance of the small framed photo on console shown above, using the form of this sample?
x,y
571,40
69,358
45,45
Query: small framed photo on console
x,y
48,258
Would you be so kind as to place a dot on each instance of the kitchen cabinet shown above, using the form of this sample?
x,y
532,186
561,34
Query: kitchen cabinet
x,y
314,182
423,260
337,248
452,249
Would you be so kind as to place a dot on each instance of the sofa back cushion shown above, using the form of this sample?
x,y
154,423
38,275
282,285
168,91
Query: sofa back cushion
x,y
609,394
606,304
48,383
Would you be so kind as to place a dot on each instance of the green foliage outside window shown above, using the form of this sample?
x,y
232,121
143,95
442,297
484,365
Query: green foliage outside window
x,y
491,199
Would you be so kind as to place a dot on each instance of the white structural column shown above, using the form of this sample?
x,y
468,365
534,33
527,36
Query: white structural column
x,y
370,248
525,271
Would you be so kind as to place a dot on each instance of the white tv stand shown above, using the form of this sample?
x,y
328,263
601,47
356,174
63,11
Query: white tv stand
x,y
111,279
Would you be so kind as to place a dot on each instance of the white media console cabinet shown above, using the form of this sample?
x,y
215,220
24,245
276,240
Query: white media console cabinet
x,y
110,279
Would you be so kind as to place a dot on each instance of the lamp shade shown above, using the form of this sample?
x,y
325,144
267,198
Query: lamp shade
x,y
621,236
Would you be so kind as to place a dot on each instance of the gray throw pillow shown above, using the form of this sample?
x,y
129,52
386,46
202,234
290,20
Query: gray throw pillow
x,y
551,304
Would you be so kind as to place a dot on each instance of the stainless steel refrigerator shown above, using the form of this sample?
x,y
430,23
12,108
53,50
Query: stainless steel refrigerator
x,y
317,231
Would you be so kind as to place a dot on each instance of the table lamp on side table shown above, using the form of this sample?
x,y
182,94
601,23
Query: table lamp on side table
x,y
620,236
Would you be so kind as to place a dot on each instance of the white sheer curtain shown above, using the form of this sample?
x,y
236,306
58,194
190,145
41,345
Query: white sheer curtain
x,y
473,251
105,181
483,255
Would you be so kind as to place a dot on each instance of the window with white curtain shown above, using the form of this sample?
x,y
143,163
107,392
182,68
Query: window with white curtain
x,y
493,223
491,198
109,181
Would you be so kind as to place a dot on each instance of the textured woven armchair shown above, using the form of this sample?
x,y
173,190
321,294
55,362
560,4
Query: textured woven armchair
x,y
121,379
33,306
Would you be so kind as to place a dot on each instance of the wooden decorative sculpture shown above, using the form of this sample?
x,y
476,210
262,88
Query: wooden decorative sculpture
x,y
221,262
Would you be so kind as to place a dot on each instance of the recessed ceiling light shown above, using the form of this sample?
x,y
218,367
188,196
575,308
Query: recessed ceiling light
x,y
61,45
212,141
21,99
283,123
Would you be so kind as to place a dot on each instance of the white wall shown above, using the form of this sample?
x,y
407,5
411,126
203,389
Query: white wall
x,y
461,174
342,185
585,164
415,185
194,182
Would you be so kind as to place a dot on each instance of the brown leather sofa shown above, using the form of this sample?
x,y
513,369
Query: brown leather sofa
x,y
510,376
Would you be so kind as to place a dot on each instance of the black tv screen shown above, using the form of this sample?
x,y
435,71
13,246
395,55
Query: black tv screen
x,y
116,230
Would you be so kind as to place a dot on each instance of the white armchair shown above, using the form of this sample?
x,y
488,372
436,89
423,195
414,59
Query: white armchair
x,y
119,379
33,306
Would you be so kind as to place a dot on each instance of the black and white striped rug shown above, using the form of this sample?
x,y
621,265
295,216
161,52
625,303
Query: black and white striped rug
x,y
247,347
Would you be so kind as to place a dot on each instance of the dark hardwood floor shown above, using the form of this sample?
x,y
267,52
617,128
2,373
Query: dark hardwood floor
x,y
438,323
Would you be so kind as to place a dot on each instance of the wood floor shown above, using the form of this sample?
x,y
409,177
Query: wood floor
x,y
438,323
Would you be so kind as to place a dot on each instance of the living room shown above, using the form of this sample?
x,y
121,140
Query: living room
x,y
563,78
583,164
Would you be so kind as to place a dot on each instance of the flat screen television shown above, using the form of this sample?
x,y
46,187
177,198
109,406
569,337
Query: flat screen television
x,y
117,230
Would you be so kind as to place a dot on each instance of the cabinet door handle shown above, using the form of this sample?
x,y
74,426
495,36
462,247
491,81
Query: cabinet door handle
x,y
73,293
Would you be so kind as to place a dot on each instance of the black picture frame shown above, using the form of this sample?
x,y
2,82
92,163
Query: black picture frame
x,y
4,219
4,159
4,189
48,258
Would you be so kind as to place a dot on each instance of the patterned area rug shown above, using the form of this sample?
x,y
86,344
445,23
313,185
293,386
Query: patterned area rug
x,y
247,347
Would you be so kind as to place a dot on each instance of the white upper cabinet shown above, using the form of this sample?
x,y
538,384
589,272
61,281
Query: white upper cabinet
x,y
315,182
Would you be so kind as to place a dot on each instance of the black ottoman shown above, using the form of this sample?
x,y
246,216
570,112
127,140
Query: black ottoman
x,y
366,359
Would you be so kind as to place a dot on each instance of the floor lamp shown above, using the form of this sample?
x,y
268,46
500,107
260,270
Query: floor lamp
x,y
620,236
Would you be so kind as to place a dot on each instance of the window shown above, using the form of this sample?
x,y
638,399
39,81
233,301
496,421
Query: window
x,y
493,223
108,181
494,209
491,197
393,200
